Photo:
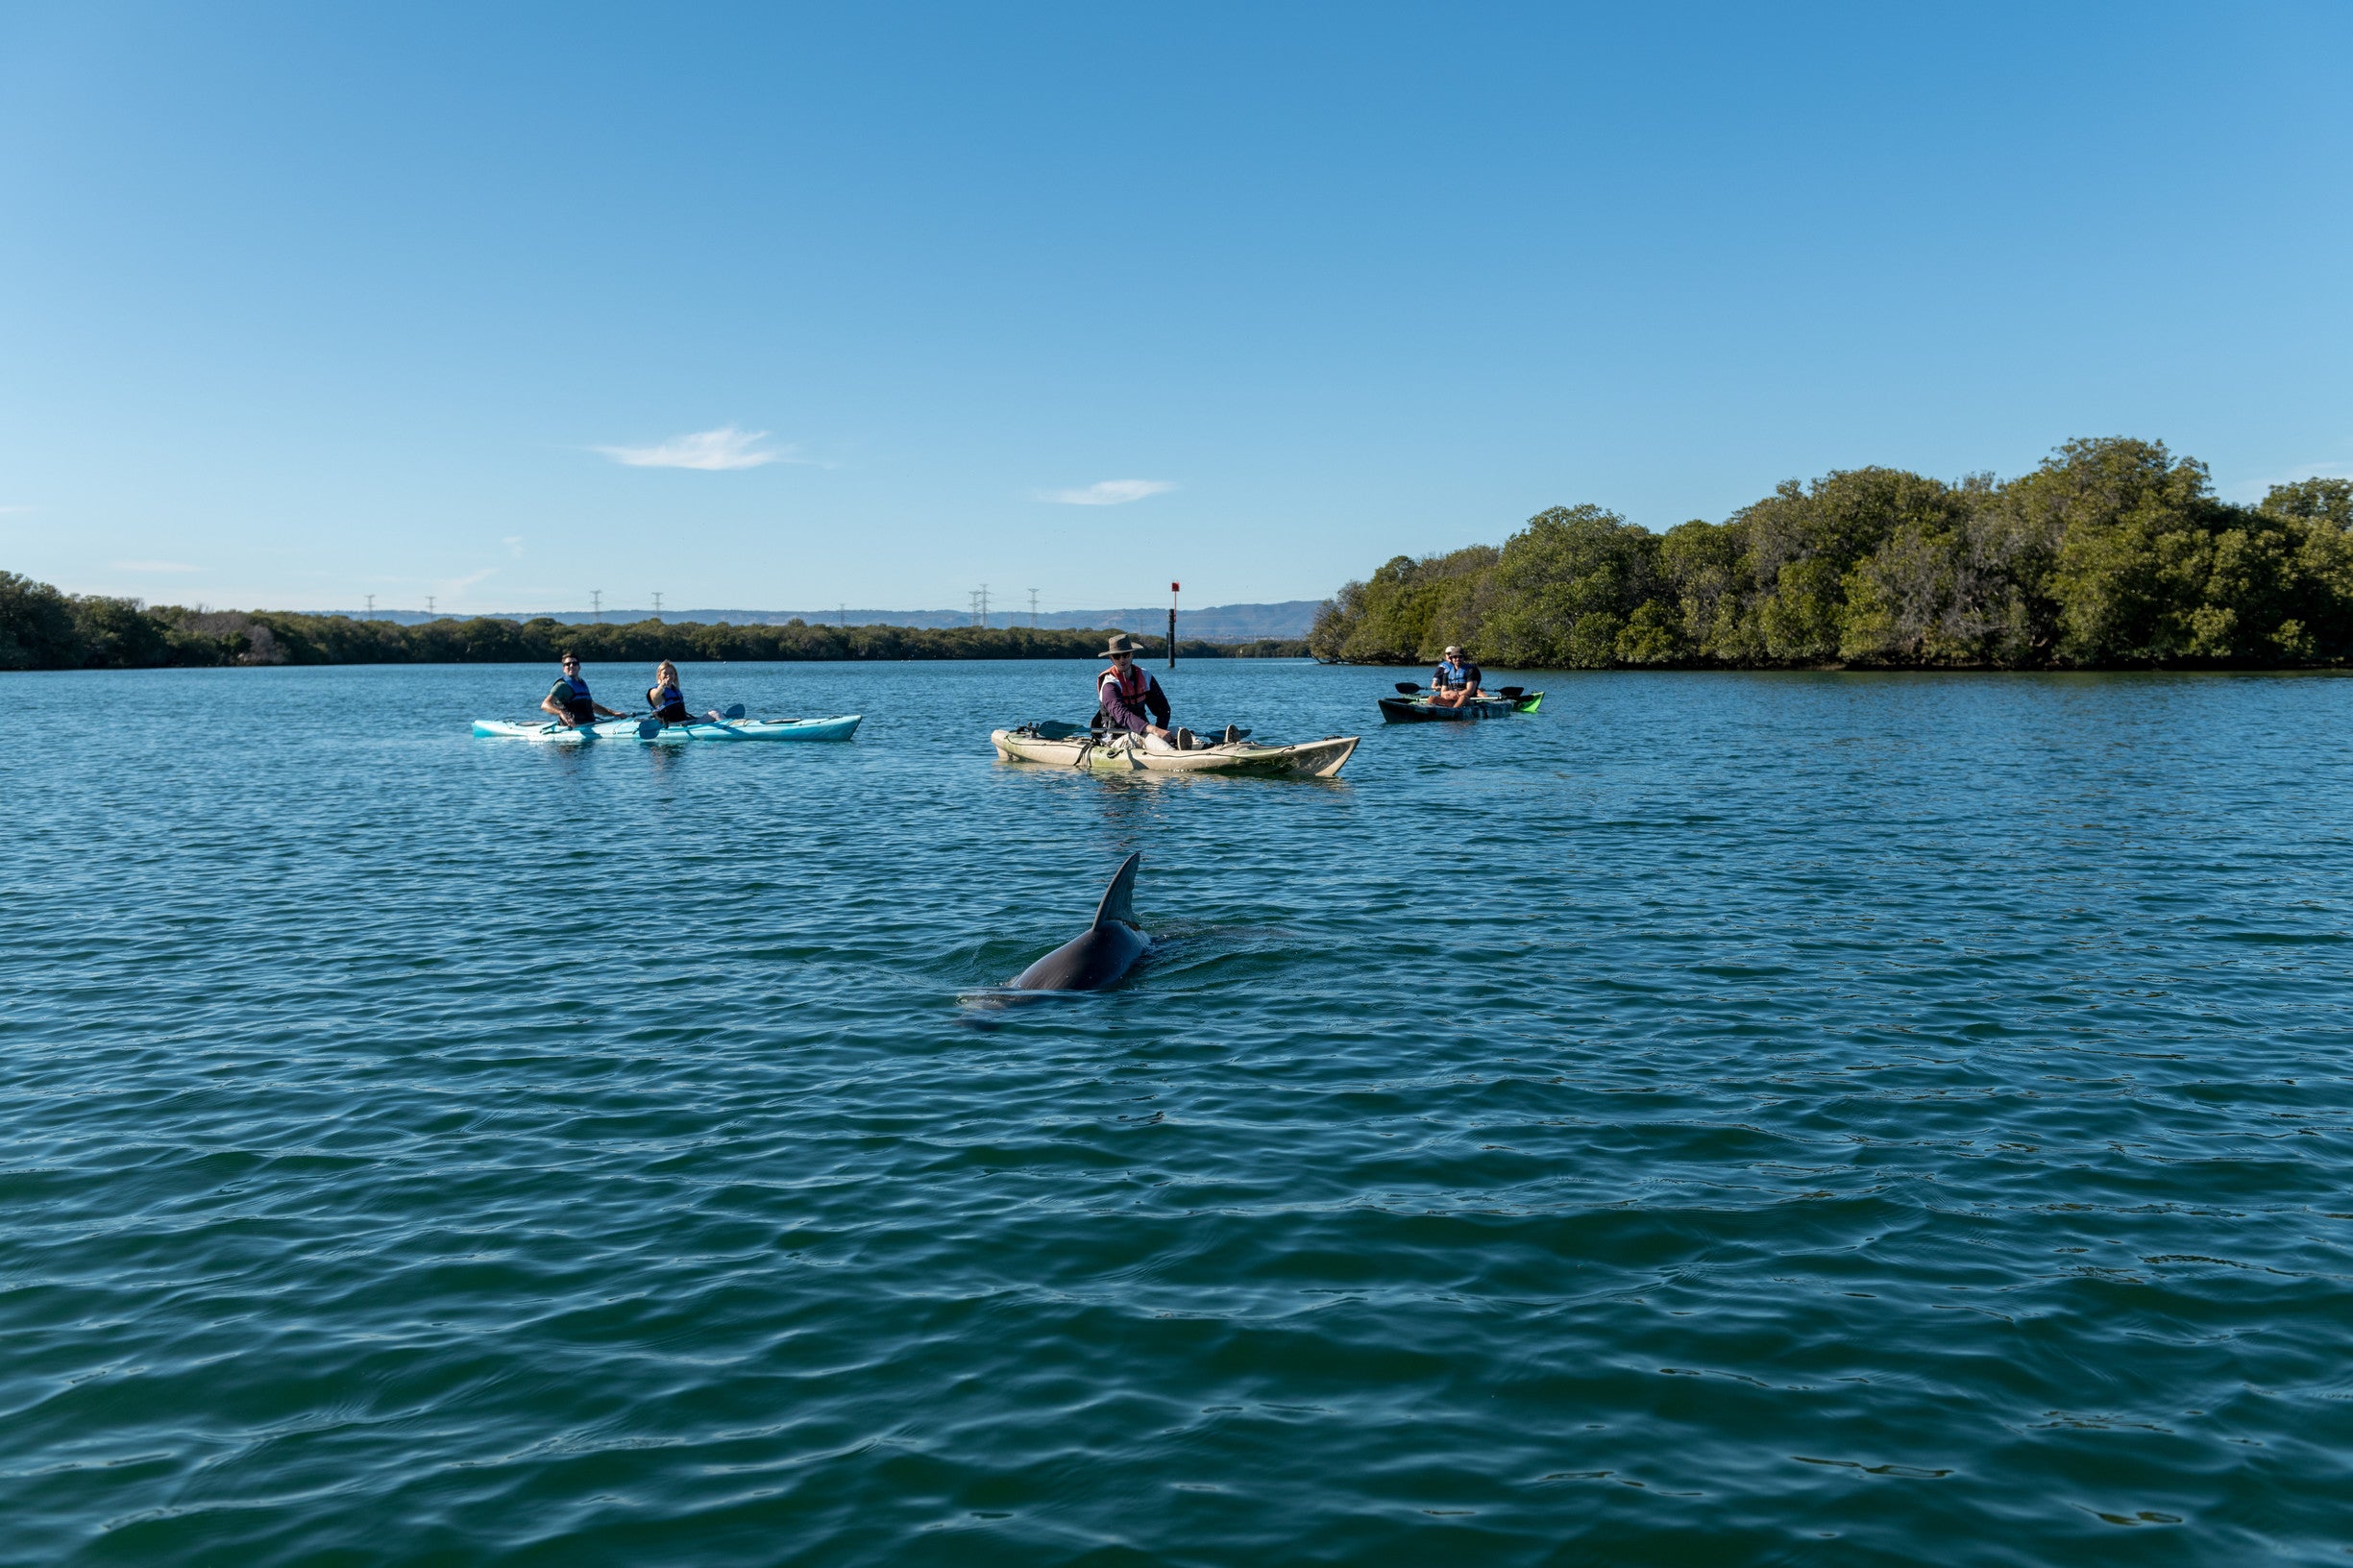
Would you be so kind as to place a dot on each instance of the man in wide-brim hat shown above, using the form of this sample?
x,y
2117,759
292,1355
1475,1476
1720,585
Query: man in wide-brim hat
x,y
1130,698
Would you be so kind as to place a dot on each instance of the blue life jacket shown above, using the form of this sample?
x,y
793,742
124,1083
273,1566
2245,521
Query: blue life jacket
x,y
668,704
1450,675
573,693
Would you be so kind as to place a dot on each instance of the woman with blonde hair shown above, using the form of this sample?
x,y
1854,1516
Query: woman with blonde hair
x,y
667,700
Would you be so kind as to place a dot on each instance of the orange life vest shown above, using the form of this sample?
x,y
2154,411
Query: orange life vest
x,y
1133,684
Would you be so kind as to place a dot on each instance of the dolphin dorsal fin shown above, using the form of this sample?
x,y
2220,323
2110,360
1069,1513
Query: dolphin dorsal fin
x,y
1119,900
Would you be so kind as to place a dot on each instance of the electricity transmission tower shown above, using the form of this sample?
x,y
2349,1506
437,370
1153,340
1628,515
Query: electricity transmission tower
x,y
841,612
428,604
1033,609
657,606
371,615
596,605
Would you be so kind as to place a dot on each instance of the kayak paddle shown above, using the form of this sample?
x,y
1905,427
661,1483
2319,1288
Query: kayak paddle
x,y
1513,692
1407,687
649,726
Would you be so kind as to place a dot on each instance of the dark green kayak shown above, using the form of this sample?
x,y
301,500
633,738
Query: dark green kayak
x,y
1419,710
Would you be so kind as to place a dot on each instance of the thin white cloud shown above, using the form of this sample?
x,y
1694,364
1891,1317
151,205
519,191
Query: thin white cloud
x,y
514,544
1108,493
151,566
2251,491
13,511
712,450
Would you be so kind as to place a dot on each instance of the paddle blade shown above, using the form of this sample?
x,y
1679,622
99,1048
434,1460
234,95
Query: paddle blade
x,y
1514,691
733,710
1407,687
648,729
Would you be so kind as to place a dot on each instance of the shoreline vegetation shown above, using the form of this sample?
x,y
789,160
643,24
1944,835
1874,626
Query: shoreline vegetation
x,y
41,628
2112,554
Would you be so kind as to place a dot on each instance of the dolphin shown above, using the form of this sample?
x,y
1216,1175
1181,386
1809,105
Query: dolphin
x,y
1099,955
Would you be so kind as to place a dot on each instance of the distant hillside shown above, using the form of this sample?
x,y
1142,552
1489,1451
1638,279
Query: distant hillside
x,y
1219,623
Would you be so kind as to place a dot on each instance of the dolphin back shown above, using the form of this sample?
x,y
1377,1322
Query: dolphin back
x,y
1119,898
1091,961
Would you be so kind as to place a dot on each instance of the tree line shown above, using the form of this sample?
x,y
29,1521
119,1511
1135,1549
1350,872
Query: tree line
x,y
2113,553
41,628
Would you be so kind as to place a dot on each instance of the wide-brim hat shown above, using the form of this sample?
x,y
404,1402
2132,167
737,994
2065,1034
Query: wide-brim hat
x,y
1120,644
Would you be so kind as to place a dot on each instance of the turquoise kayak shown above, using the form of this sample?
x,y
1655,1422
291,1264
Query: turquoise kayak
x,y
840,728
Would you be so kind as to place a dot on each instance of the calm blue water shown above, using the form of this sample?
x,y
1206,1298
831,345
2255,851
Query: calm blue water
x,y
1774,1119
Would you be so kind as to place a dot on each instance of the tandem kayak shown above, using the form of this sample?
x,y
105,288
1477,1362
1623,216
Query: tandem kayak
x,y
1418,710
1069,746
626,729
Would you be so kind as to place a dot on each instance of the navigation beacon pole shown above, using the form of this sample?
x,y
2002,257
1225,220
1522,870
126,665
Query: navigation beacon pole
x,y
1172,599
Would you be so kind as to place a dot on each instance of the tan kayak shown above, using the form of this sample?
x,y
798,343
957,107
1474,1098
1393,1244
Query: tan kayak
x,y
1126,754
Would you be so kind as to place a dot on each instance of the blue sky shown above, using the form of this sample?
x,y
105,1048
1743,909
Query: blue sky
x,y
768,307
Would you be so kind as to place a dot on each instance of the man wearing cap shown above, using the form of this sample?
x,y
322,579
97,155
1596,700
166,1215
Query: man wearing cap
x,y
1454,681
1130,698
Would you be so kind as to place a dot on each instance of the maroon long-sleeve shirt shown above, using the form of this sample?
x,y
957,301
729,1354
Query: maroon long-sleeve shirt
x,y
1116,713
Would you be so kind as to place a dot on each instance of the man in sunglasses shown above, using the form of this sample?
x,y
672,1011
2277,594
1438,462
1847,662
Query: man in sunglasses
x,y
569,699
1454,681
1130,698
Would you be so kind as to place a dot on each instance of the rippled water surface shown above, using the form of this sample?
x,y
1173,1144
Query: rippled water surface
x,y
1776,1118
